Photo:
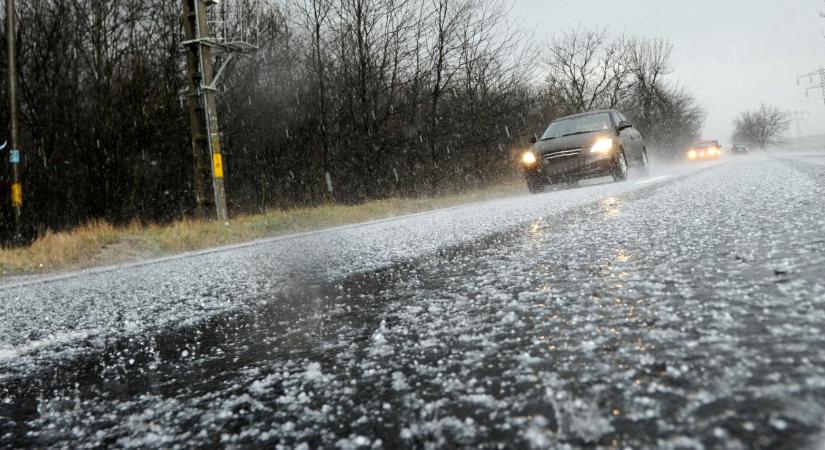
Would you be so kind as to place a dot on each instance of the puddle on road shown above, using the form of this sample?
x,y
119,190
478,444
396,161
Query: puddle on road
x,y
288,324
611,207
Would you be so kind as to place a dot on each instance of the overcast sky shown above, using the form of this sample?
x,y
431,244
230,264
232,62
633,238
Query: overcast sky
x,y
731,54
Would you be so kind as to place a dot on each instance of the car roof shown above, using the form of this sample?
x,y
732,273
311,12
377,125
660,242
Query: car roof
x,y
699,144
588,113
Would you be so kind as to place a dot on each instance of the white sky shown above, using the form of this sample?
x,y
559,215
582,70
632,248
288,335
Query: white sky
x,y
731,54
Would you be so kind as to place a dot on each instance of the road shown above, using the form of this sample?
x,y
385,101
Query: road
x,y
685,310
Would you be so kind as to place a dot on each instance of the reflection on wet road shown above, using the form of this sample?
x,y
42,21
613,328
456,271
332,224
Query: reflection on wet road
x,y
682,315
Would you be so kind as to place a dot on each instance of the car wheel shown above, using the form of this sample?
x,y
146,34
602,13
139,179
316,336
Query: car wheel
x,y
644,170
536,186
620,167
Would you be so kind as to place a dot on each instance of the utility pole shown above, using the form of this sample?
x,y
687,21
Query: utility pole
x,y
14,123
816,80
203,114
201,48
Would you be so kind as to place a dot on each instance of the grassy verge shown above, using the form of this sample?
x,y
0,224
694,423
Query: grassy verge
x,y
100,243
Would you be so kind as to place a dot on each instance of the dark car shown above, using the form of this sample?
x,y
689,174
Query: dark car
x,y
593,144
704,150
740,149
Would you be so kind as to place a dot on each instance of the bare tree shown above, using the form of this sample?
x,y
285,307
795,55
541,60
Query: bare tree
x,y
763,127
588,69
445,26
667,115
314,16
675,120
592,69
649,62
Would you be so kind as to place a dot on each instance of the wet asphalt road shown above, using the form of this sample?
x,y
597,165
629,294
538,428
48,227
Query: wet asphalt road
x,y
682,311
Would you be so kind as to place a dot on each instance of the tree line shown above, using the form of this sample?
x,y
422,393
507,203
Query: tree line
x,y
344,101
593,69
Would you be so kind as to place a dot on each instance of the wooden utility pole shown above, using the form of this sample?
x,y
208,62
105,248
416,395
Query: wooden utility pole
x,y
203,114
14,123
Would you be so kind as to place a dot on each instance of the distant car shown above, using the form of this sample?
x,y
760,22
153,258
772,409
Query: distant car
x,y
704,150
740,149
587,145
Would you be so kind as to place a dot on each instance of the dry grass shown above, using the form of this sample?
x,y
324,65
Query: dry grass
x,y
59,249
100,243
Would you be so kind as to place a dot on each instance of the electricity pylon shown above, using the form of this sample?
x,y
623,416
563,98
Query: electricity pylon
x,y
201,48
797,117
816,80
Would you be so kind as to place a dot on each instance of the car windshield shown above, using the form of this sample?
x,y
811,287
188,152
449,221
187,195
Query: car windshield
x,y
577,125
705,144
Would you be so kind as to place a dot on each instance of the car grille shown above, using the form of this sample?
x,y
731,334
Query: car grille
x,y
564,154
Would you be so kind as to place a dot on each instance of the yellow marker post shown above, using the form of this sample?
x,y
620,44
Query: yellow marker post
x,y
16,195
217,165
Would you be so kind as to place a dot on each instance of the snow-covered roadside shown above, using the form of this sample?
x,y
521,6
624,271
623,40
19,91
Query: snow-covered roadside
x,y
58,313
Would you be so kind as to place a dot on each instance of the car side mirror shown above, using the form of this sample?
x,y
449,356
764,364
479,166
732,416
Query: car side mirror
x,y
624,124
533,140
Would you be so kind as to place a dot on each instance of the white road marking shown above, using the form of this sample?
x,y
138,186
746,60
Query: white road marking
x,y
653,179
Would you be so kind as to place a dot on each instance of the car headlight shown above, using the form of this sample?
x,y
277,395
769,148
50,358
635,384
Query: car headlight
x,y
528,158
692,154
602,146
713,151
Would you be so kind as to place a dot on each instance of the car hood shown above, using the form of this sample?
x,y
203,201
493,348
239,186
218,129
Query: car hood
x,y
571,142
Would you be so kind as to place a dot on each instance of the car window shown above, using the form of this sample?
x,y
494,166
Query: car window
x,y
578,125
